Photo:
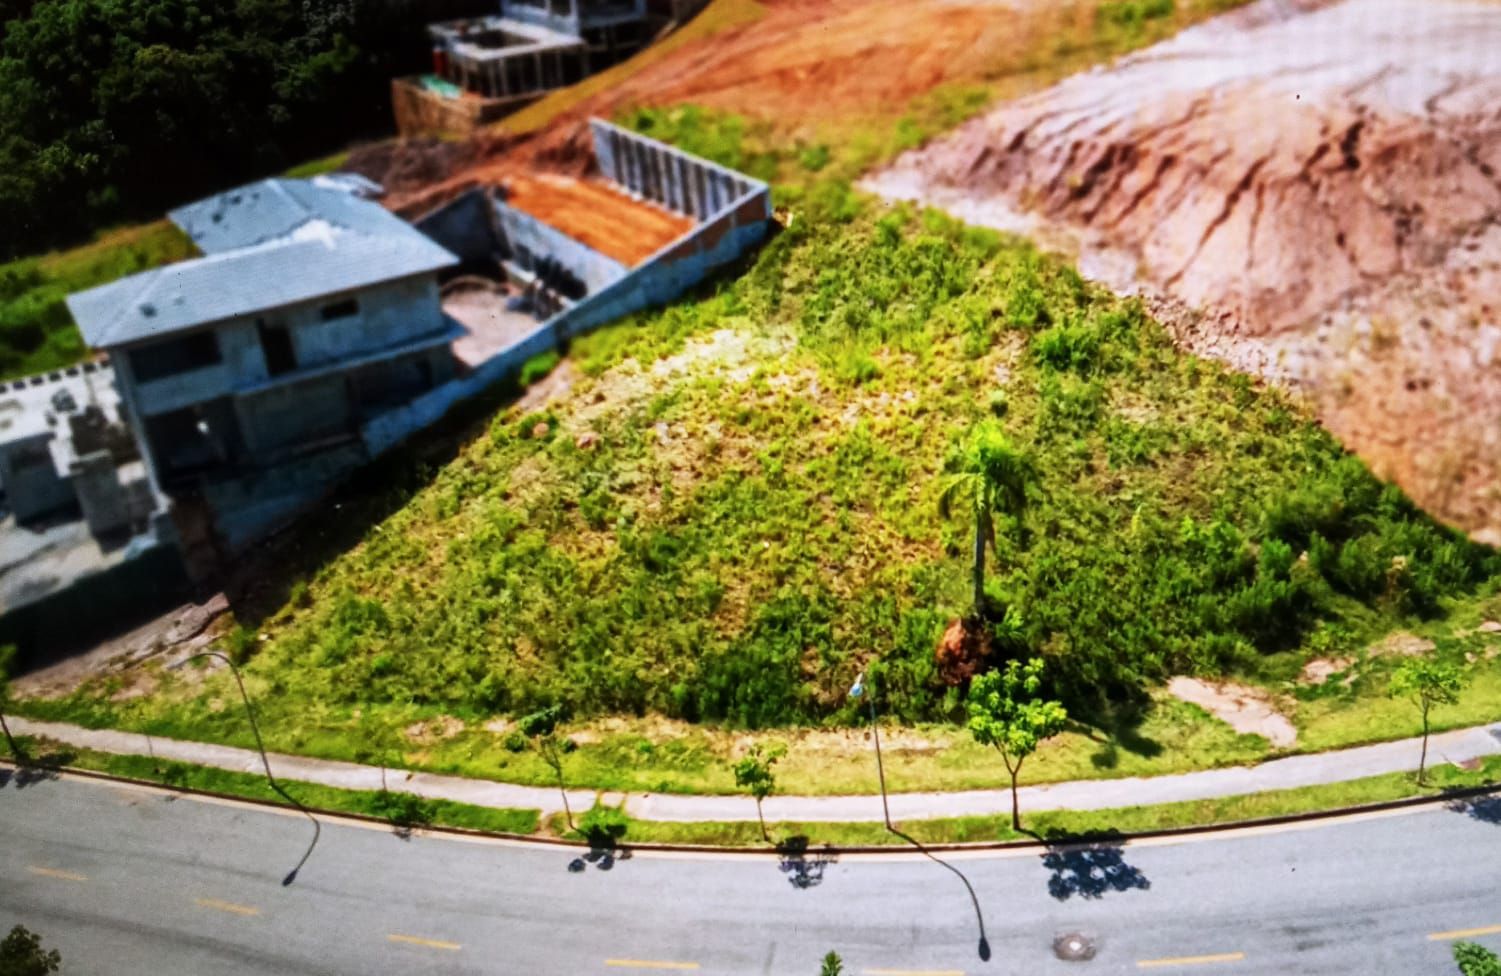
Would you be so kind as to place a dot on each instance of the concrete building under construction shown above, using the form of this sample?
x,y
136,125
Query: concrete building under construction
x,y
316,332
487,67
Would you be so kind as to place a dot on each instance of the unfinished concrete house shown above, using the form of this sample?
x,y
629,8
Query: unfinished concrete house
x,y
487,67
570,253
248,372
319,330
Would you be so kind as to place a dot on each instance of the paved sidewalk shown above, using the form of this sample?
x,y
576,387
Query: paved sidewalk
x,y
1278,774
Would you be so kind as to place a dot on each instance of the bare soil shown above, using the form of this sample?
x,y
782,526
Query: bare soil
x,y
1310,190
1249,711
187,630
802,67
1401,644
1321,669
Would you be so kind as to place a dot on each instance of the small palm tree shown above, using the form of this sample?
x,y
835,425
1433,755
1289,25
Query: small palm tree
x,y
990,476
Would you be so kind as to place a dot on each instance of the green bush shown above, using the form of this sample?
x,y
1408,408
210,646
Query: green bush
x,y
1132,13
403,809
537,367
1476,960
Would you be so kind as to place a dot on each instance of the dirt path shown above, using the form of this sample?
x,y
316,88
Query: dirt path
x,y
1312,189
1248,711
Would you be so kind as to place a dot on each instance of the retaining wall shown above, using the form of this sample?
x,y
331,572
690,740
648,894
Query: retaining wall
x,y
464,226
522,230
655,171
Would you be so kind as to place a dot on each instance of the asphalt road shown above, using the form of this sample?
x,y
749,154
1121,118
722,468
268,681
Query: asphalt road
x,y
133,881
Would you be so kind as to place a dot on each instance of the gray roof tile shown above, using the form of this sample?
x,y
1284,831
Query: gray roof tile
x,y
274,243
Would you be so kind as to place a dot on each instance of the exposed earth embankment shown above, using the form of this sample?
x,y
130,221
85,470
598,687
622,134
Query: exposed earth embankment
x,y
1312,188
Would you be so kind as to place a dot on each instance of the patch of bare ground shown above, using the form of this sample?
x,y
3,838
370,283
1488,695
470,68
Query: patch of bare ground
x,y
185,631
433,730
1249,711
839,744
1401,644
1310,191
1321,669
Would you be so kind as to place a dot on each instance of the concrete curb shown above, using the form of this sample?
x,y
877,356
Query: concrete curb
x,y
1082,841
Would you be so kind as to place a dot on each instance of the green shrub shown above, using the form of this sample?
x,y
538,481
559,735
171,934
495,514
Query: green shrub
x,y
1476,960
403,809
537,367
1132,13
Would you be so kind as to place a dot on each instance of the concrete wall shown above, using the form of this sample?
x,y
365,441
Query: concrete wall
x,y
32,484
389,314
522,230
248,508
465,226
663,174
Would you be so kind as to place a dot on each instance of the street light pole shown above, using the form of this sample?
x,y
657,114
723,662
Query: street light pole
x,y
856,691
265,760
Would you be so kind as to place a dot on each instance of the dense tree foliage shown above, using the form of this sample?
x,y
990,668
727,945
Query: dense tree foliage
x,y
21,954
118,108
1006,710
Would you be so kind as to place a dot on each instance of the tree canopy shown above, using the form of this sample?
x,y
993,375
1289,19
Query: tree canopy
x,y
117,108
21,954
1006,710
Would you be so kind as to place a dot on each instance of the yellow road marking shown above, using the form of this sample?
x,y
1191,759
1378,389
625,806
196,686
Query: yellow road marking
x,y
55,873
1464,933
227,906
912,972
649,964
1190,960
428,943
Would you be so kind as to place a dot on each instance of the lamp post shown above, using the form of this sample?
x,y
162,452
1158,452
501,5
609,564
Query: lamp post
x,y
261,748
856,691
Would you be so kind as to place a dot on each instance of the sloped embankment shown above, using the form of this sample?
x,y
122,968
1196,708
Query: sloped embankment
x,y
1320,183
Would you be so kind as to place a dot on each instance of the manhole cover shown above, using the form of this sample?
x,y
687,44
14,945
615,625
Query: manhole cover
x,y
1074,947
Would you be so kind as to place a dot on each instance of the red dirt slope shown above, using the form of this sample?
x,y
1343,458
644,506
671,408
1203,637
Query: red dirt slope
x,y
1322,180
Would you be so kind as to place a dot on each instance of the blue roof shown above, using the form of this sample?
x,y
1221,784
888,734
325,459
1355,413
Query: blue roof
x,y
266,245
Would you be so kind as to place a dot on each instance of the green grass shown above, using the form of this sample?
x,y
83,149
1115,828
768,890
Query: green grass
x,y
317,167
1062,825
36,330
404,809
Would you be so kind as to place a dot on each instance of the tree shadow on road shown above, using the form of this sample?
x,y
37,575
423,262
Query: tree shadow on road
x,y
37,769
1090,868
1484,808
605,850
803,871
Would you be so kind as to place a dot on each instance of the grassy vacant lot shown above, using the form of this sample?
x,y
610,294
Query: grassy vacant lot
x,y
735,512
36,331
